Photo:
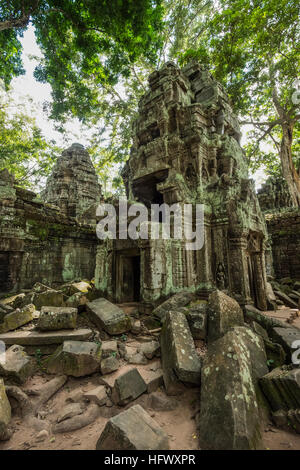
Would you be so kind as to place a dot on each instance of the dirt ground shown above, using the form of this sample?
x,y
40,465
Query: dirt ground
x,y
179,423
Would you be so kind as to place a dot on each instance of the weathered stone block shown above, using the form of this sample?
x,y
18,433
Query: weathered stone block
x,y
18,318
223,313
286,337
173,303
75,358
128,387
16,365
110,348
150,349
109,364
98,395
229,417
37,338
180,361
281,387
132,429
48,297
57,318
108,316
5,412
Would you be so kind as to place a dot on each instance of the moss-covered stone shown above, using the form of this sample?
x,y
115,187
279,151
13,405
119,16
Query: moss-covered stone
x,y
17,318
75,358
57,318
229,417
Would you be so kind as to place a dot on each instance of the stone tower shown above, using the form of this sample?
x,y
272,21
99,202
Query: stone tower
x,y
186,150
73,184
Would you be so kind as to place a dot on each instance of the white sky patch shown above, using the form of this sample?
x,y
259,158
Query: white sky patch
x,y
26,86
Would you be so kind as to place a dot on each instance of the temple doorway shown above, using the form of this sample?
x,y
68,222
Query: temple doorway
x,y
128,273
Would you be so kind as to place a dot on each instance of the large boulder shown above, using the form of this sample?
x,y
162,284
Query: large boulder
x,y
128,387
57,318
180,362
17,318
5,412
108,316
16,365
75,358
132,429
229,416
223,313
173,303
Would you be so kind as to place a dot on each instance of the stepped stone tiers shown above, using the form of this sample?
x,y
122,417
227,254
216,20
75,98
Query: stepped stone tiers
x,y
73,184
186,150
42,242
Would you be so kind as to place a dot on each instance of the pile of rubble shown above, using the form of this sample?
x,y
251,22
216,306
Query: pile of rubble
x,y
239,360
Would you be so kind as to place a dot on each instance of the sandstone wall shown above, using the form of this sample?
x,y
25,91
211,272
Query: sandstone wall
x,y
284,232
39,243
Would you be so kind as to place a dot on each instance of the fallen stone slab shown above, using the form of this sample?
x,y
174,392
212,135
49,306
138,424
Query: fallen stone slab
x,y
152,379
17,318
110,348
133,429
75,358
150,349
109,364
98,395
108,316
285,299
180,361
287,338
281,387
16,301
16,365
37,338
173,303
229,415
57,318
223,313
5,413
50,297
138,359
127,387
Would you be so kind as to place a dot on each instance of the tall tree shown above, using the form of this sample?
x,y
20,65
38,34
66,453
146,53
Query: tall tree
x,y
254,49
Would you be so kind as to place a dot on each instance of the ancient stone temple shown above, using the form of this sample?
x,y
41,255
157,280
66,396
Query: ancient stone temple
x,y
43,241
73,185
186,150
283,225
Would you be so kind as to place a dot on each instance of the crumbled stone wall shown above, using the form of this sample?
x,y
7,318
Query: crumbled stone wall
x,y
284,233
40,243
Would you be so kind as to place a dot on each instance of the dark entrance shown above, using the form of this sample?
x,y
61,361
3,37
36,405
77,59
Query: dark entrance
x,y
128,273
4,271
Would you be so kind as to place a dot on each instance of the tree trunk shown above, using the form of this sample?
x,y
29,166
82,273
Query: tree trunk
x,y
288,168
